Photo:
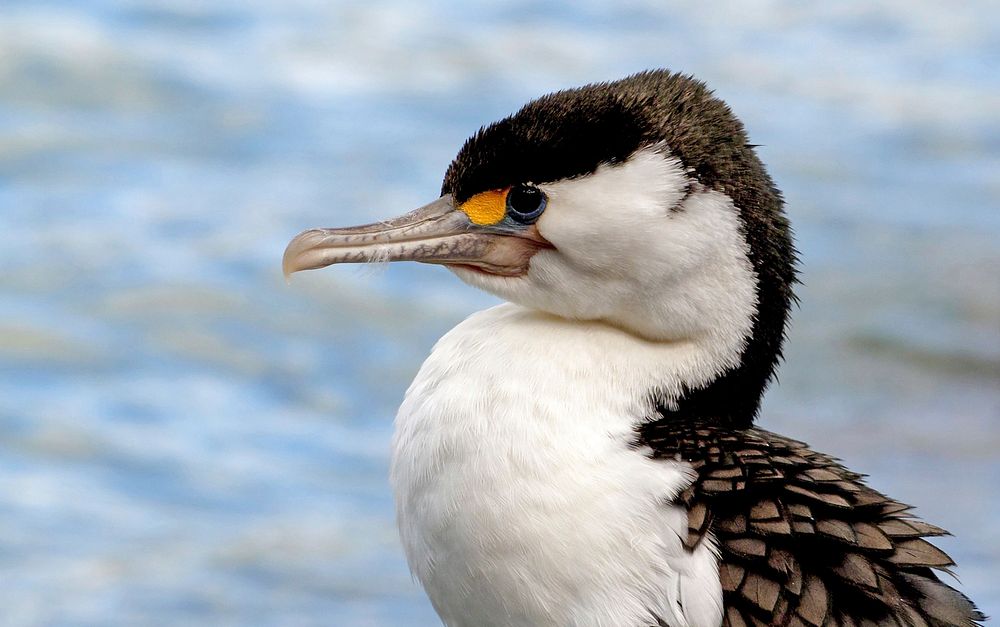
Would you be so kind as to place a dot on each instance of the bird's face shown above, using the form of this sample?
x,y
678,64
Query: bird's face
x,y
636,243
601,203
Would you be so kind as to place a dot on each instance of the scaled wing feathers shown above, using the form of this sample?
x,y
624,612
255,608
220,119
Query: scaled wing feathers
x,y
803,541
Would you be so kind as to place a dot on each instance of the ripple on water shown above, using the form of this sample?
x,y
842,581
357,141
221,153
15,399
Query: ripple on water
x,y
186,438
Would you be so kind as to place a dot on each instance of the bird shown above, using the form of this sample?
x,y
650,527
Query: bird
x,y
586,453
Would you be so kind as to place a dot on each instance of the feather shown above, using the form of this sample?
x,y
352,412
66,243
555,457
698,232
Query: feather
x,y
802,540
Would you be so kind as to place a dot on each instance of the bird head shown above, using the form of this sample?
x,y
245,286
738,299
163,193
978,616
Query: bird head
x,y
638,203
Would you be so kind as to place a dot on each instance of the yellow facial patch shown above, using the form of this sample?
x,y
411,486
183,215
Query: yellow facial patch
x,y
486,207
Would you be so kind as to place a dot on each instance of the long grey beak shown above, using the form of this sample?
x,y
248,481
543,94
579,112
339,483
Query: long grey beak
x,y
435,233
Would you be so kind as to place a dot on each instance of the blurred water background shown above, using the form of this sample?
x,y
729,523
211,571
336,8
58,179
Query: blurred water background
x,y
185,439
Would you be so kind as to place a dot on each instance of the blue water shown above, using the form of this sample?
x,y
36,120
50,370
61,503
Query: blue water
x,y
185,438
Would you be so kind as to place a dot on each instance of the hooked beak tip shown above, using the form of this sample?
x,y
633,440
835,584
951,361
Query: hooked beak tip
x,y
296,253
304,252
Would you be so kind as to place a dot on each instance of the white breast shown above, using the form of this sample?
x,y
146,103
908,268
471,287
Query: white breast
x,y
520,498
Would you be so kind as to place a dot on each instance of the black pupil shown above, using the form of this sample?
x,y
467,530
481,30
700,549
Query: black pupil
x,y
525,203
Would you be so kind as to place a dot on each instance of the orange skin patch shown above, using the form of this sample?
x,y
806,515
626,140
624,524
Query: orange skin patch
x,y
486,207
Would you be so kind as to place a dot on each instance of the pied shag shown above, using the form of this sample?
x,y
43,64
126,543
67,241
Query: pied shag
x,y
586,454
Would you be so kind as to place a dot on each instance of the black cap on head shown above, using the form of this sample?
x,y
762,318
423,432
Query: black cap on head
x,y
558,136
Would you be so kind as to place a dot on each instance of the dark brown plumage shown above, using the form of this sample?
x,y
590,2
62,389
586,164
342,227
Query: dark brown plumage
x,y
803,541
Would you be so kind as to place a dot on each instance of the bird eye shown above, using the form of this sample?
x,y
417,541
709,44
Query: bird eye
x,y
525,203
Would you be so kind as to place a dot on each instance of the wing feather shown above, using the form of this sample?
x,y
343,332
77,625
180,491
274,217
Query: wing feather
x,y
803,541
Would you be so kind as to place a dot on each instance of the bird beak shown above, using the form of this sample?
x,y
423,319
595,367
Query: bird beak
x,y
435,233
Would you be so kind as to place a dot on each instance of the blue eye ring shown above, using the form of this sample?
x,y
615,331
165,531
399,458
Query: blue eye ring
x,y
526,203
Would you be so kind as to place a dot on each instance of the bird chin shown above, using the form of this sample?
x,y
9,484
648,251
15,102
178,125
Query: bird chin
x,y
499,282
510,284
481,270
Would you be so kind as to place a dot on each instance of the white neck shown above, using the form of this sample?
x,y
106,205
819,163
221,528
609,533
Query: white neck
x,y
516,473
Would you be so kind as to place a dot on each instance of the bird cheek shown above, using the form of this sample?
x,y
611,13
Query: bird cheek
x,y
563,230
